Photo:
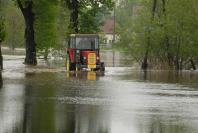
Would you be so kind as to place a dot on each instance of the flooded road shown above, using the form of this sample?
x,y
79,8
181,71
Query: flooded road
x,y
40,100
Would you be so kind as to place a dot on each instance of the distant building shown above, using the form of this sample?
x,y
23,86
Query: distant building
x,y
108,31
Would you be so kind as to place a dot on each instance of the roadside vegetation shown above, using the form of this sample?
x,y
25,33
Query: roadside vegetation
x,y
155,33
2,34
159,33
42,26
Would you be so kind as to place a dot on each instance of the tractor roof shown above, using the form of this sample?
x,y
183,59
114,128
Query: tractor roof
x,y
84,35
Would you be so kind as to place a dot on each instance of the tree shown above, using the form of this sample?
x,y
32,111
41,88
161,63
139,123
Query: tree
x,y
2,30
63,21
145,60
74,7
26,7
40,23
162,34
2,35
85,15
46,25
14,24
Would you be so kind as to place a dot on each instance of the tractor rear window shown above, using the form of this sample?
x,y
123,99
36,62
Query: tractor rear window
x,y
86,43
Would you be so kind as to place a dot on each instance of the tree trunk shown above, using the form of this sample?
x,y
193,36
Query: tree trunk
x,y
1,58
154,8
145,60
29,36
193,64
74,6
178,42
46,54
30,44
181,64
177,63
164,7
1,80
167,43
2,37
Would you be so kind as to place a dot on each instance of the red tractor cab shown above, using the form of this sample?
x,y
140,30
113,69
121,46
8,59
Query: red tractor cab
x,y
83,52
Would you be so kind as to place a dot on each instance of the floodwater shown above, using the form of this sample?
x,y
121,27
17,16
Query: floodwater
x,y
122,100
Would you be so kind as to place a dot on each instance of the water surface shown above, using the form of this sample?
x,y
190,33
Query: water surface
x,y
123,100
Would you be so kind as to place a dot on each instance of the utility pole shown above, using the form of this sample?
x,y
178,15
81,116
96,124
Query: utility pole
x,y
114,22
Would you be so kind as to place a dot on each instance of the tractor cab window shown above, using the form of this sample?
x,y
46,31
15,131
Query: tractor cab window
x,y
72,43
89,43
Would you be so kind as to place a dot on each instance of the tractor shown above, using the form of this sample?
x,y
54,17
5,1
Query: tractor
x,y
83,53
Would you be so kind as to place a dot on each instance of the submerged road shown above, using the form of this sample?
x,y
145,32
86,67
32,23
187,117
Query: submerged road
x,y
123,100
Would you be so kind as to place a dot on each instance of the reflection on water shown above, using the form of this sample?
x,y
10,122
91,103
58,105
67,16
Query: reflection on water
x,y
11,107
1,80
187,77
122,100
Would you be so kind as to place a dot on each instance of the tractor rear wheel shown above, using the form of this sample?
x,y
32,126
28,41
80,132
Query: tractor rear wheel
x,y
72,66
102,67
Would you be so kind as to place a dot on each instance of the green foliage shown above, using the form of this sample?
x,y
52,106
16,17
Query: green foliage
x,y
14,26
51,25
90,14
45,24
52,21
62,24
2,30
169,33
2,25
89,22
